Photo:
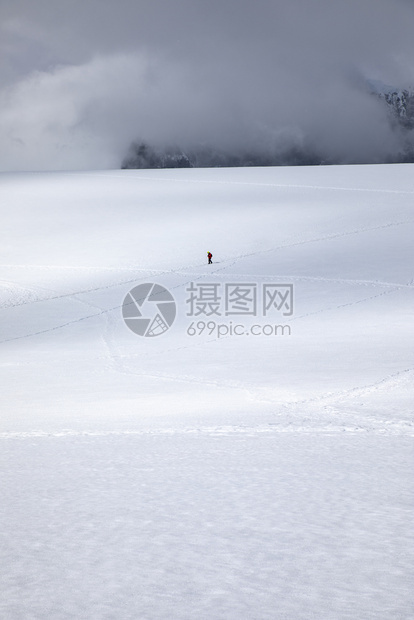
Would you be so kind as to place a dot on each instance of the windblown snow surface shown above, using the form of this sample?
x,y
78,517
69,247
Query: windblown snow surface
x,y
207,476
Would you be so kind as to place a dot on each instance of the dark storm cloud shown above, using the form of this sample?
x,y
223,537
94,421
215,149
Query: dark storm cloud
x,y
82,79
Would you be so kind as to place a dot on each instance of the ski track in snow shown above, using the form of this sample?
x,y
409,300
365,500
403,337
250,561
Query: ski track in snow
x,y
233,260
139,177
117,360
106,311
372,426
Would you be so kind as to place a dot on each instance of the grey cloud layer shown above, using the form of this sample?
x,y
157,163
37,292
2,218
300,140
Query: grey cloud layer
x,y
80,80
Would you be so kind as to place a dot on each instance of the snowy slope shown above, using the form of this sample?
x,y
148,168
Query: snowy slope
x,y
75,244
207,476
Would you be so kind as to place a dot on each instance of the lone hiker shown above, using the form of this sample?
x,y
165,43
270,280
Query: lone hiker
x,y
210,256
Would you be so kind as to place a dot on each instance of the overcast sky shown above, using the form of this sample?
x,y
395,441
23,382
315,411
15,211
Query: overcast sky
x,y
81,79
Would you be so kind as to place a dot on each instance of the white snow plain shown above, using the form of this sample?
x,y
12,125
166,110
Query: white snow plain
x,y
205,477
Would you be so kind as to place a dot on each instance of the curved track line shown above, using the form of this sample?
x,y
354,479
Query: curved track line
x,y
234,259
140,177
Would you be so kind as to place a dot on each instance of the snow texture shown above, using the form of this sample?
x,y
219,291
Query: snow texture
x,y
202,476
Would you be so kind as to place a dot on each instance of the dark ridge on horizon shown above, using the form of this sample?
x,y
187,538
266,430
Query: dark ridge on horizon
x,y
400,116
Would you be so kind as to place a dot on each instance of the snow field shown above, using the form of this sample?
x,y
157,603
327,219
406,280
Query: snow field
x,y
203,476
